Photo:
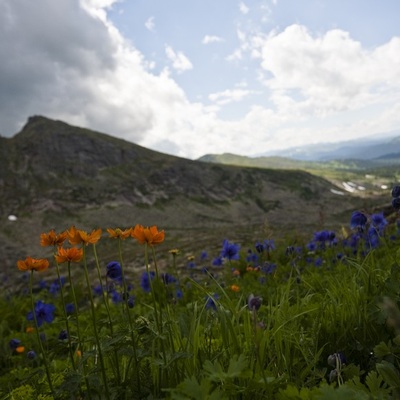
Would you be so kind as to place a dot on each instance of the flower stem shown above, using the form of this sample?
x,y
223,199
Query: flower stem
x,y
46,365
77,326
107,309
125,298
71,353
96,335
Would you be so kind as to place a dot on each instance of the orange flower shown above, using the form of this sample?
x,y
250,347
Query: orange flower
x,y
52,238
78,353
148,235
29,329
33,264
20,349
119,233
72,254
235,288
236,272
77,236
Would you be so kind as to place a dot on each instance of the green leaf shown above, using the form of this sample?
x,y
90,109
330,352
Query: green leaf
x,y
389,373
382,349
374,382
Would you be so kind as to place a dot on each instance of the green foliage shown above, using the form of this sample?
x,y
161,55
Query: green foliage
x,y
330,331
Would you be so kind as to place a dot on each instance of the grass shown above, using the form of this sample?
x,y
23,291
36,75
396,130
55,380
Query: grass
x,y
312,320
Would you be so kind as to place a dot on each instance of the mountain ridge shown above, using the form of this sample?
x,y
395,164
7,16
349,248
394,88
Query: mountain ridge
x,y
53,175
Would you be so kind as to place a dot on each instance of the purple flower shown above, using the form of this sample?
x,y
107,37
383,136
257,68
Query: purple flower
x,y
43,312
259,247
97,290
379,221
114,271
217,262
116,297
31,355
396,191
145,281
230,250
69,308
254,302
358,220
210,302
168,279
63,335
396,203
131,301
14,343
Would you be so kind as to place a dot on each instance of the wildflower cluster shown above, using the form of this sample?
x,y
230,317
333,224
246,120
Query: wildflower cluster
x,y
256,320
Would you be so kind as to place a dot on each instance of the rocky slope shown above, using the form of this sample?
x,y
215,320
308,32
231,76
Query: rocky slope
x,y
53,175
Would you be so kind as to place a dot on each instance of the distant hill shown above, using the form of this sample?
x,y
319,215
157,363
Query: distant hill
x,y
368,148
53,175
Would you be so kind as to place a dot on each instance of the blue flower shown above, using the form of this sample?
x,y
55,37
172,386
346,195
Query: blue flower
x,y
168,279
203,255
318,261
252,258
14,343
396,191
145,281
269,245
230,250
254,302
69,308
311,246
358,220
116,297
114,271
217,262
54,288
373,237
210,302
44,313
131,301
379,221
396,203
31,355
63,335
268,268
259,247
97,290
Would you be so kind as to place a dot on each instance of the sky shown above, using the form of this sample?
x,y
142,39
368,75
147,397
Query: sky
x,y
189,78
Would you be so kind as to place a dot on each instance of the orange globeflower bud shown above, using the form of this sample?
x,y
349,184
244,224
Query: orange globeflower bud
x,y
72,254
119,233
29,329
148,235
77,236
52,238
235,288
20,349
236,272
33,264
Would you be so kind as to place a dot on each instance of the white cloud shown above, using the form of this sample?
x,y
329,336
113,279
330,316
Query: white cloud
x,y
179,61
243,8
149,24
86,73
331,72
212,39
229,96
